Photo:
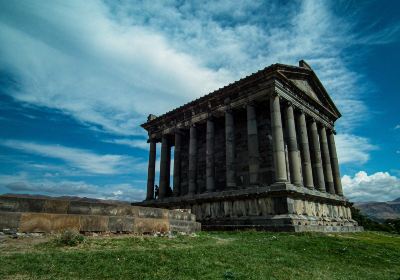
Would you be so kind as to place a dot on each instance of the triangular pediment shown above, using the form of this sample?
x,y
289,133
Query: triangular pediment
x,y
304,79
305,86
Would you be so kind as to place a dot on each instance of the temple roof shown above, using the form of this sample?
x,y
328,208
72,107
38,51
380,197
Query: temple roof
x,y
301,77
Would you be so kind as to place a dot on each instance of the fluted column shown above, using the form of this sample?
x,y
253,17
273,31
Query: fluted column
x,y
164,167
210,170
177,163
335,163
326,159
151,170
305,151
230,149
252,144
294,159
277,140
192,160
317,162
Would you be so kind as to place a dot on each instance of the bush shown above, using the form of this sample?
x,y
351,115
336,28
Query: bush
x,y
70,238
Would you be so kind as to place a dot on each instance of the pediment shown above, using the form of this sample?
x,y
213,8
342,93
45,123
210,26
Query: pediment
x,y
305,86
304,79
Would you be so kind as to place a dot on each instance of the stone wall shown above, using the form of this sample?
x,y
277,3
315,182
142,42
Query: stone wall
x,y
53,215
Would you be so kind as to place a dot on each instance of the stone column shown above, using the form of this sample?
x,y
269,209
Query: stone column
x,y
293,150
168,175
252,144
335,163
210,170
164,167
192,160
230,149
277,140
151,170
177,163
317,162
326,159
305,151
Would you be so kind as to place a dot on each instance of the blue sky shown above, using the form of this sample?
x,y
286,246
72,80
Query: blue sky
x,y
77,78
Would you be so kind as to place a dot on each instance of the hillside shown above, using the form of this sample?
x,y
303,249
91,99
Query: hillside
x,y
207,255
380,211
69,198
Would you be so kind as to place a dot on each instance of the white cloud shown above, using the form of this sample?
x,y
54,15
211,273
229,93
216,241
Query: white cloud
x,y
74,57
22,183
134,143
380,186
112,63
85,160
353,149
397,126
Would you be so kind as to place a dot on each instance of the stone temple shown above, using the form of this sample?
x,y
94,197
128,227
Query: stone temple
x,y
258,153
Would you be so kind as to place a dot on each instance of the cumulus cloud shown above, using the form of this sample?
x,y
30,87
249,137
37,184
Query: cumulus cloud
x,y
22,183
353,149
380,186
85,160
397,126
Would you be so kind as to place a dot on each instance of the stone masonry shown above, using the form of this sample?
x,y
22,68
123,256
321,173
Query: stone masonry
x,y
258,153
47,215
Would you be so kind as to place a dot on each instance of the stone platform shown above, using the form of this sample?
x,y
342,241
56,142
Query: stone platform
x,y
278,207
46,215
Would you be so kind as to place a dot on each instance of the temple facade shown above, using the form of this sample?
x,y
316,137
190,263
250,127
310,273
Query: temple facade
x,y
258,153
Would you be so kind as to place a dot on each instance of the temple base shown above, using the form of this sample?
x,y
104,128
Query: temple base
x,y
278,207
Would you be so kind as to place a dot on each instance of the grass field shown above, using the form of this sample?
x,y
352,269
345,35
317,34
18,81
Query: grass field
x,y
208,255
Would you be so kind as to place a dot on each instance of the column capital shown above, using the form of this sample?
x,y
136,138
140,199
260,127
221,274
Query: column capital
x,y
331,130
300,110
178,130
275,94
229,110
251,103
289,103
151,140
210,116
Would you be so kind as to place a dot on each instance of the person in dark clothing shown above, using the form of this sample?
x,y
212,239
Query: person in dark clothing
x,y
156,191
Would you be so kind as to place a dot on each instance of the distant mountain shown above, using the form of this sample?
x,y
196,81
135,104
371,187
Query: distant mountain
x,y
69,198
380,211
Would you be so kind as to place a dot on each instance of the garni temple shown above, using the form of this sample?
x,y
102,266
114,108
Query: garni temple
x,y
258,153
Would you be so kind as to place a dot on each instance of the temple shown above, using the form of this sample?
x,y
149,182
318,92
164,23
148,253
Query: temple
x,y
258,153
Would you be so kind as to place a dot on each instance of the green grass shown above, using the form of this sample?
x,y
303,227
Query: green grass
x,y
212,255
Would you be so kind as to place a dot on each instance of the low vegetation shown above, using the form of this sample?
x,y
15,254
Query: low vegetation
x,y
388,225
69,238
207,255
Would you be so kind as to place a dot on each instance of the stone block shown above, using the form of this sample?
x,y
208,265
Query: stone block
x,y
79,208
94,223
184,226
56,206
121,223
149,212
10,220
150,225
48,223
